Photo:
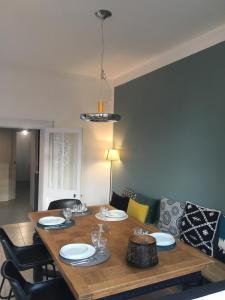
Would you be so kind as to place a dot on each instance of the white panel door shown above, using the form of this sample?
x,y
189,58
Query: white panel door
x,y
60,165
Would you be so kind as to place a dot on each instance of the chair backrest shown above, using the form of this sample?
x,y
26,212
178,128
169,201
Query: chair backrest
x,y
7,245
17,282
63,203
10,252
4,236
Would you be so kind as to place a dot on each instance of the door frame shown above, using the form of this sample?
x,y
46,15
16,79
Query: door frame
x,y
27,124
43,168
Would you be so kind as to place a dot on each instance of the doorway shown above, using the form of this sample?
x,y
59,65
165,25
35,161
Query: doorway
x,y
19,168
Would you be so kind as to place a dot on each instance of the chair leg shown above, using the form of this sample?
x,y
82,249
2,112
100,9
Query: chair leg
x,y
1,287
10,294
46,271
53,268
38,274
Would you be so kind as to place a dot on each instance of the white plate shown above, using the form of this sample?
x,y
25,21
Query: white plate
x,y
115,213
100,217
51,220
77,251
163,239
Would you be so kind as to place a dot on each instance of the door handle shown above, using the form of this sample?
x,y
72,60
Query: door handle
x,y
74,195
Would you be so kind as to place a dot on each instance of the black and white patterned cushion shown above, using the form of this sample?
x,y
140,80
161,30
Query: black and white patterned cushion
x,y
170,214
198,227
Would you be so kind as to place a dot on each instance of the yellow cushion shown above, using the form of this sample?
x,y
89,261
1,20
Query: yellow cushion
x,y
137,210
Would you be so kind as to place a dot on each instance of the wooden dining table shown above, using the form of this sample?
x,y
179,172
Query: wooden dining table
x,y
115,278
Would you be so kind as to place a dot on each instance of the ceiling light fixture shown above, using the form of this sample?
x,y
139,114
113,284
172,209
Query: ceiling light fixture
x,y
24,132
101,116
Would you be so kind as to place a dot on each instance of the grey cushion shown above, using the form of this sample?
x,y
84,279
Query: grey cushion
x,y
170,214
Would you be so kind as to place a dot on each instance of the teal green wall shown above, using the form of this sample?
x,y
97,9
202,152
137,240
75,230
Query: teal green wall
x,y
172,133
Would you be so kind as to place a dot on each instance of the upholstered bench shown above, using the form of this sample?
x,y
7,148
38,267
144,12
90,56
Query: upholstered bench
x,y
215,272
166,214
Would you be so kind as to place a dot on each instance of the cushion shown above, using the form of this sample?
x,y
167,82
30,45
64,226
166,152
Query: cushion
x,y
220,243
128,192
198,227
153,203
119,202
170,214
137,210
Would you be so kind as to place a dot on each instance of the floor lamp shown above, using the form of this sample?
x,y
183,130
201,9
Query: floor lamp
x,y
111,155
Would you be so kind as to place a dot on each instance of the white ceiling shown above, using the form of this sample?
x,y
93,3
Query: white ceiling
x,y
64,35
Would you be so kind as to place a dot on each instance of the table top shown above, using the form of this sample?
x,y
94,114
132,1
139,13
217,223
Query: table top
x,y
115,275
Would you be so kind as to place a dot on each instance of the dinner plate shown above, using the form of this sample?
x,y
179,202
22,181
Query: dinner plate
x,y
115,213
51,220
163,239
77,251
110,219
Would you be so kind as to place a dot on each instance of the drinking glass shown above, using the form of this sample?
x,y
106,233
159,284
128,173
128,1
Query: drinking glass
x,y
95,238
138,231
75,208
103,211
102,241
83,206
67,213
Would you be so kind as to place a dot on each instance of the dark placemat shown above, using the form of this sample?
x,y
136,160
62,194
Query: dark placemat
x,y
96,259
65,225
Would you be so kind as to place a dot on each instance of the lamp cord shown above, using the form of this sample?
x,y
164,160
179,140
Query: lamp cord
x,y
103,76
102,72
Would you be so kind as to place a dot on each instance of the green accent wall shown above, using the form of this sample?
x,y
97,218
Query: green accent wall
x,y
172,134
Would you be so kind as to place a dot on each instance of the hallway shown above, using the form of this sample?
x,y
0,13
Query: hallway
x,y
16,211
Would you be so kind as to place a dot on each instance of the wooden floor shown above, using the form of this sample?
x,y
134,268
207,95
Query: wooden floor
x,y
21,234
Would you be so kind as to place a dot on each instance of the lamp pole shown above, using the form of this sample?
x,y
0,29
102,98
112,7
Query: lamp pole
x,y
111,155
110,181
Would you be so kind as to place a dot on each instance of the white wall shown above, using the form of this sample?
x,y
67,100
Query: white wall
x,y
7,178
38,95
5,145
23,143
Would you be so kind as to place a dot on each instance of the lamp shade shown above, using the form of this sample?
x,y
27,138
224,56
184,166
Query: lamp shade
x,y
112,154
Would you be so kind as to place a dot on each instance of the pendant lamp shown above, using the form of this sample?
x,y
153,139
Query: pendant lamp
x,y
101,116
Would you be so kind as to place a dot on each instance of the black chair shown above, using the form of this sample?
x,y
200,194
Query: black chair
x,y
63,203
57,204
25,257
53,289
